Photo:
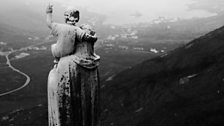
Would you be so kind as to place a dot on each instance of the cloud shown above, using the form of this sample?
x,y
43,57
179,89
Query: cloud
x,y
136,14
130,11
126,11
214,6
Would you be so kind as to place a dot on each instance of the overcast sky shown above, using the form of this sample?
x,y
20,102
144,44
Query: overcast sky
x,y
134,11
131,11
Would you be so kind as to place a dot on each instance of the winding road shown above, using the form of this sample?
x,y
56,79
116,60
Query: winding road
x,y
18,71
6,54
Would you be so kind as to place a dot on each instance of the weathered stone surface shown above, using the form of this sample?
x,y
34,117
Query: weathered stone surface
x,y
73,84
73,94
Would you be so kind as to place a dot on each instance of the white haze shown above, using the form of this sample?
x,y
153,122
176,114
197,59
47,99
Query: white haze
x,y
134,11
120,11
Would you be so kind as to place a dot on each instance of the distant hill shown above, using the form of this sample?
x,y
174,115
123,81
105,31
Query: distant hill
x,y
23,21
31,18
183,88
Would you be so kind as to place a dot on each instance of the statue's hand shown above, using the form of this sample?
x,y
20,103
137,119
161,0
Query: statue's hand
x,y
92,33
91,38
49,9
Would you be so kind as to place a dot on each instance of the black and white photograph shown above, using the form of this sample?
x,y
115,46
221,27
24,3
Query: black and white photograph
x,y
111,62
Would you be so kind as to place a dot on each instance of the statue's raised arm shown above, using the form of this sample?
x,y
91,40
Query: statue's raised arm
x,y
49,11
68,34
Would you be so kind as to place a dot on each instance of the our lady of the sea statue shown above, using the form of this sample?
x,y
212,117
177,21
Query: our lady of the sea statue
x,y
73,83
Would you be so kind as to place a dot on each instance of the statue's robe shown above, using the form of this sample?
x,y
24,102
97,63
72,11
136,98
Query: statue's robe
x,y
73,86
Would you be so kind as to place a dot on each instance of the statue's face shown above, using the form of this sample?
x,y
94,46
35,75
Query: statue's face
x,y
71,17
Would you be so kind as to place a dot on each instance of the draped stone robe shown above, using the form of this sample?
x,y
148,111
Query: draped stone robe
x,y
73,83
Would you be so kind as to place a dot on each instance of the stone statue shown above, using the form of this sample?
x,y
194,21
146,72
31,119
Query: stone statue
x,y
73,83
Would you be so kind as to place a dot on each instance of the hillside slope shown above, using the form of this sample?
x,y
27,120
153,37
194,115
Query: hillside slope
x,y
183,88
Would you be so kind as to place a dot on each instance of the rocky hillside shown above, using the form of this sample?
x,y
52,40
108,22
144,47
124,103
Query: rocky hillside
x,y
182,88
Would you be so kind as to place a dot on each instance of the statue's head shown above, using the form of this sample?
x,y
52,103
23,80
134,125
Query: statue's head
x,y
71,16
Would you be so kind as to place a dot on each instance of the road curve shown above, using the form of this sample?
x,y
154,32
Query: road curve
x,y
14,69
6,54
